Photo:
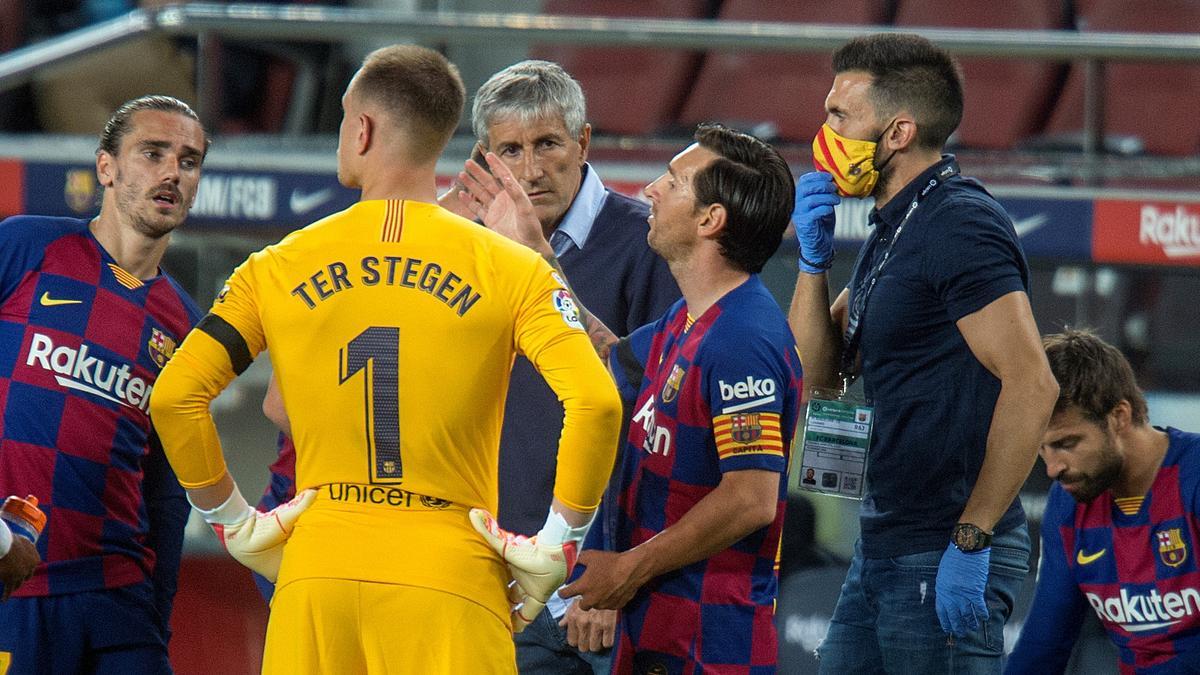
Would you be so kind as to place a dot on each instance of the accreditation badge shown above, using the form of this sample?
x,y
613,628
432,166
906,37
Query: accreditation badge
x,y
837,435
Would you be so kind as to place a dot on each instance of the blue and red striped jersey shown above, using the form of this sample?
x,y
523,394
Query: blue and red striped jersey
x,y
1139,573
717,394
81,344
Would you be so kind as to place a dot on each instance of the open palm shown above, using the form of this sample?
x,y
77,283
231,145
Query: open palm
x,y
498,201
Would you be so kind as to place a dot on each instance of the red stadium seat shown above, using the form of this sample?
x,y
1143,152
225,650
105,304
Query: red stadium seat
x,y
1006,100
12,24
629,90
785,90
1155,102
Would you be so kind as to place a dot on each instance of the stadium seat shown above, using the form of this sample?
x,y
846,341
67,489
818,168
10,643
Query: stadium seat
x,y
1006,100
275,87
1152,101
12,24
785,91
629,90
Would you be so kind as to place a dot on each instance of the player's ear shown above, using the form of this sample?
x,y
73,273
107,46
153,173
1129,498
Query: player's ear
x,y
714,220
366,133
1121,416
106,169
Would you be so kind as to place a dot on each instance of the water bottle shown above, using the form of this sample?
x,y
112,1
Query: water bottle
x,y
23,516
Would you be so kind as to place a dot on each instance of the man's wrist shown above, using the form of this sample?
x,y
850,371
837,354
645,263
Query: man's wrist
x,y
809,267
641,565
556,530
970,538
233,510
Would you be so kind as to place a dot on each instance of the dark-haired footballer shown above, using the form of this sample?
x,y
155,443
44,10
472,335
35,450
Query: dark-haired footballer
x,y
87,322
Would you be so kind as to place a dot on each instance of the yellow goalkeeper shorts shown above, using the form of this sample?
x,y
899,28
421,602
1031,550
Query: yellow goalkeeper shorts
x,y
349,627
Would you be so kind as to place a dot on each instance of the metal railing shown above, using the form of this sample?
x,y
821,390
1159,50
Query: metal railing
x,y
336,24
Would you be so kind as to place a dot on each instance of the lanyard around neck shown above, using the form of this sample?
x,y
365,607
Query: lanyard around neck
x,y
866,285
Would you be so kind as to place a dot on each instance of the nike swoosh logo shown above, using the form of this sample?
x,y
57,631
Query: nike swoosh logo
x,y
301,202
1084,559
48,301
1024,226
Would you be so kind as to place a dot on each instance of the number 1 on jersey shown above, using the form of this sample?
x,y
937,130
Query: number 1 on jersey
x,y
376,352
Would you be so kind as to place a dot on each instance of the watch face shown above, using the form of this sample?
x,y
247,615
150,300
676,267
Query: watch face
x,y
968,537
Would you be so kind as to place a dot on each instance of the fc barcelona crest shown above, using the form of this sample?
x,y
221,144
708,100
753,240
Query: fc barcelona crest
x,y
671,388
79,189
1171,547
745,428
162,347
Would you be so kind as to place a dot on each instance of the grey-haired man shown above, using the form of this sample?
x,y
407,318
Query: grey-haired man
x,y
532,115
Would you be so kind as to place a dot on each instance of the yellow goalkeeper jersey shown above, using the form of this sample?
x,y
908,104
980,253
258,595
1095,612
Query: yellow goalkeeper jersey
x,y
392,328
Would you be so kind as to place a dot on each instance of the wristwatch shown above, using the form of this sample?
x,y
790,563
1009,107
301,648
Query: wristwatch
x,y
970,538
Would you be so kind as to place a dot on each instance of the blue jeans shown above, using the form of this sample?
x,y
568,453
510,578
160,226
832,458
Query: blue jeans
x,y
886,621
542,649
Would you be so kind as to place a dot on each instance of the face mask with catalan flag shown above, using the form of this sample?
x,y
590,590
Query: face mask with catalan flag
x,y
851,161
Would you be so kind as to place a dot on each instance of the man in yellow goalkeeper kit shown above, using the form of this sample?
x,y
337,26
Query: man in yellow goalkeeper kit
x,y
392,327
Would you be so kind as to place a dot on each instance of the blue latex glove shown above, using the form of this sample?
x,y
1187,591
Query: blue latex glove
x,y
961,580
816,195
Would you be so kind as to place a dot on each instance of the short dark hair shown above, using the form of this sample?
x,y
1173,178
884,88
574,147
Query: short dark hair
x,y
420,91
752,181
1092,375
909,72
121,121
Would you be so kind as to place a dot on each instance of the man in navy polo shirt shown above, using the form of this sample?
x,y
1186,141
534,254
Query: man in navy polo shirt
x,y
936,321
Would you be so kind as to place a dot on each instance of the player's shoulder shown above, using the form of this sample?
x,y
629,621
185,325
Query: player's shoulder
x,y
749,315
451,229
1187,442
1183,450
24,240
38,230
193,310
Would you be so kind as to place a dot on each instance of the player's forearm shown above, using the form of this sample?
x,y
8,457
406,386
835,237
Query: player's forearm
x,y
167,513
744,502
817,337
1051,627
591,430
179,407
167,519
601,336
591,412
1052,623
1022,411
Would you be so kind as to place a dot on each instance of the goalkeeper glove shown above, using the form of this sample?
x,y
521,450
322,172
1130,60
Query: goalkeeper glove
x,y
256,539
538,565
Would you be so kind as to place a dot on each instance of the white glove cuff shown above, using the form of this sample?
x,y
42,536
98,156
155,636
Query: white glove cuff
x,y
5,539
234,510
556,531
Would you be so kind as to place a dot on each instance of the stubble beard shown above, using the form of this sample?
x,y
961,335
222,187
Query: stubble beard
x,y
133,205
1106,474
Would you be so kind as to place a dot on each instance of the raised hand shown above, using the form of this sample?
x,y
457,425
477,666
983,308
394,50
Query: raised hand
x,y
816,195
497,200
